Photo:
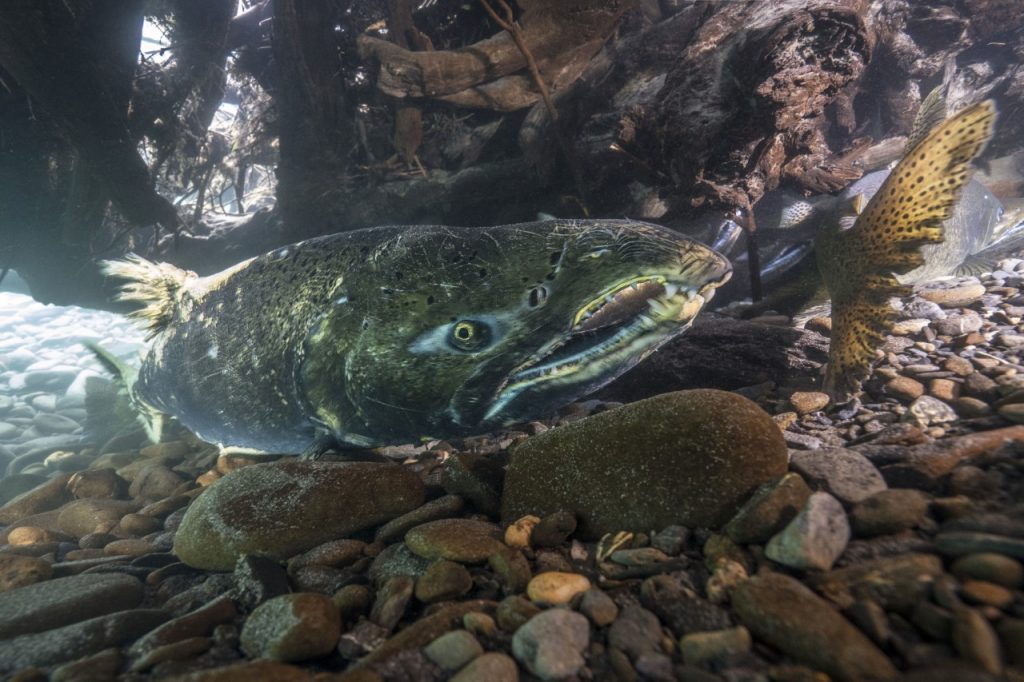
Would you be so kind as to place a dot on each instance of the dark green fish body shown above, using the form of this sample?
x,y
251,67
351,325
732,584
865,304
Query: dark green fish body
x,y
391,334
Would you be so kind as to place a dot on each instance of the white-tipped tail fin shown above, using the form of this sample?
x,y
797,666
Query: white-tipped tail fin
x,y
158,287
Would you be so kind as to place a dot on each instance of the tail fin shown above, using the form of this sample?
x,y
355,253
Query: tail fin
x,y
1010,243
157,286
859,265
114,409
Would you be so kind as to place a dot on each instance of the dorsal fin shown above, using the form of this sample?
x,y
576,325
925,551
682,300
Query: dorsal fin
x,y
933,109
159,287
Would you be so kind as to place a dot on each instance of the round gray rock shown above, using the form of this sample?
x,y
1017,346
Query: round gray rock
x,y
847,474
815,538
551,643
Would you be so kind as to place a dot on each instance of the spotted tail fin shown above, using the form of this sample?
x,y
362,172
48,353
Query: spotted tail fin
x,y
157,286
859,264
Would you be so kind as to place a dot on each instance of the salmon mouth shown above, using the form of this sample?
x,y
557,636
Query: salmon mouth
x,y
609,334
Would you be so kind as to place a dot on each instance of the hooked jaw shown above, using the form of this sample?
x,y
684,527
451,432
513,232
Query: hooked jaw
x,y
613,331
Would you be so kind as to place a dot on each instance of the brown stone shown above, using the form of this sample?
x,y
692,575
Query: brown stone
x,y
100,483
905,388
463,540
82,517
687,458
944,389
18,571
781,611
805,402
42,498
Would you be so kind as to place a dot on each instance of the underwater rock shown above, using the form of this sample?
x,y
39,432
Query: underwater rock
x,y
782,612
702,648
990,567
847,474
815,538
555,587
443,580
768,510
952,293
551,643
90,515
44,497
490,667
453,650
688,458
283,508
463,540
79,639
441,508
20,571
292,627
12,486
889,511
897,583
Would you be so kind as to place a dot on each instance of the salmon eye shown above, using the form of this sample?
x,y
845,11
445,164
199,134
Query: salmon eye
x,y
469,335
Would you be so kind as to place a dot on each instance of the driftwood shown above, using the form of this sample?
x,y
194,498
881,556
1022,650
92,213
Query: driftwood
x,y
722,101
562,35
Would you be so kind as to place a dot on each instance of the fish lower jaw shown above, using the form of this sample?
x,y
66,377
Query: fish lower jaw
x,y
663,317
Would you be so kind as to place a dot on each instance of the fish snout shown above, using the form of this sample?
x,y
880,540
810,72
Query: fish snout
x,y
703,267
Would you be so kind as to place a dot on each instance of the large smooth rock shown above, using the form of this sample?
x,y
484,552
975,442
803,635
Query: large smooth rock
x,y
779,610
689,458
61,601
283,508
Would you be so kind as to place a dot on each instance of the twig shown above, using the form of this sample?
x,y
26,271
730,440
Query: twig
x,y
745,219
508,24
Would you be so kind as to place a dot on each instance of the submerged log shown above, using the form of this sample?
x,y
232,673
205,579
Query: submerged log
x,y
724,353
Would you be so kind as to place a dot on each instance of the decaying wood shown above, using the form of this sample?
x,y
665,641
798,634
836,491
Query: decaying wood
x,y
752,115
550,29
408,117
